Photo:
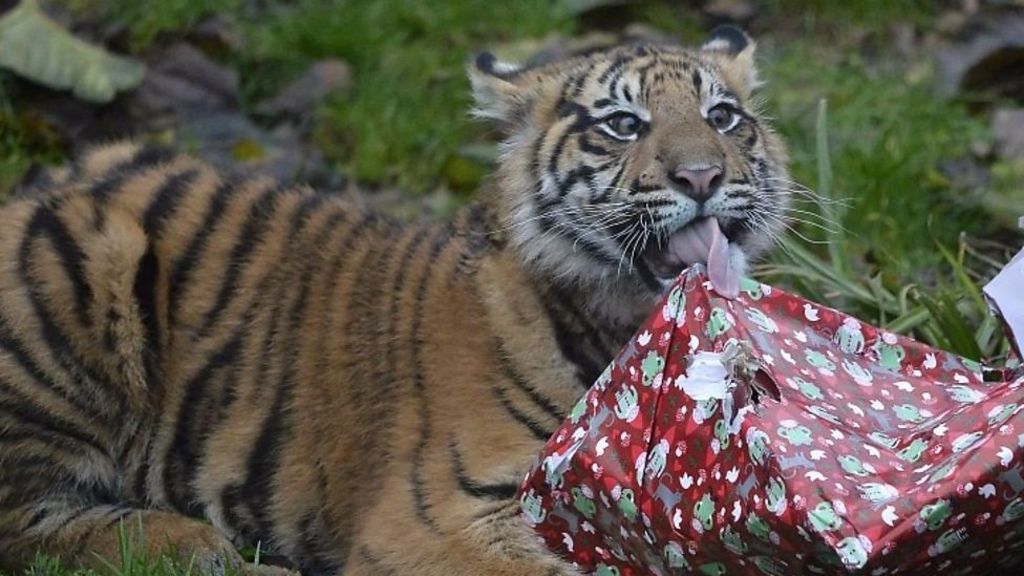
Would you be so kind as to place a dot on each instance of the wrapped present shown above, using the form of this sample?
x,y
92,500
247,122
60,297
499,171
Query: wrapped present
x,y
768,435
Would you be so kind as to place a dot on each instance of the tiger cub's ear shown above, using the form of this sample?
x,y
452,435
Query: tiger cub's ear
x,y
498,91
733,50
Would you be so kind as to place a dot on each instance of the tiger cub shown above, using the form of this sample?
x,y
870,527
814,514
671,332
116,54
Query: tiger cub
x,y
224,362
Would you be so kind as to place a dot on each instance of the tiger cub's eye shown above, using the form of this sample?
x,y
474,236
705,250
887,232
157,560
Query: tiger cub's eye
x,y
722,117
624,125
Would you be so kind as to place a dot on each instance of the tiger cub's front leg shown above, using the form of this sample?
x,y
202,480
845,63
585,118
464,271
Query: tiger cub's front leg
x,y
497,543
97,537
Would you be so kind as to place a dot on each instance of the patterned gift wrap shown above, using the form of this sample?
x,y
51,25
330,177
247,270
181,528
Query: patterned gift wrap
x,y
770,435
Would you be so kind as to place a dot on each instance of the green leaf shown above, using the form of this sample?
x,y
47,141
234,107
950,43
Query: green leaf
x,y
952,328
37,48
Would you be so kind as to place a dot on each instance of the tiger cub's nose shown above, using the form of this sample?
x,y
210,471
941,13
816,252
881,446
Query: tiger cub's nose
x,y
697,182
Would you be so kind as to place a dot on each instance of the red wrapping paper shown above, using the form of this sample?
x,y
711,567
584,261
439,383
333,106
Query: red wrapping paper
x,y
769,435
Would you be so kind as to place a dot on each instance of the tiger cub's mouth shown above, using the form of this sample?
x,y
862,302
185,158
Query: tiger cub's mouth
x,y
701,241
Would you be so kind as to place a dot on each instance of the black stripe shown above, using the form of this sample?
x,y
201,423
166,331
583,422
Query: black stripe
x,y
575,88
637,188
583,120
166,202
232,504
314,558
182,271
330,272
53,337
45,222
144,289
500,512
199,401
585,173
420,503
613,186
76,515
647,276
501,490
520,382
265,455
374,564
183,455
28,472
536,164
23,409
612,68
21,356
602,341
569,344
28,432
115,176
590,148
614,82
645,83
260,212
216,409
119,514
539,432
579,239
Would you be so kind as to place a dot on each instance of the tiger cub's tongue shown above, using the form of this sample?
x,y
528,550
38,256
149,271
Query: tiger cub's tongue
x,y
703,241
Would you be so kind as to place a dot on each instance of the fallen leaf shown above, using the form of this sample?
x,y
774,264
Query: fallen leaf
x,y
37,48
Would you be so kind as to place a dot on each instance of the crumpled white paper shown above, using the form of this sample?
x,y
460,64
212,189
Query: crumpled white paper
x,y
708,378
1006,296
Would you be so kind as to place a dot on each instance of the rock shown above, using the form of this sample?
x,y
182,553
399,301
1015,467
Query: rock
x,y
231,141
311,88
216,34
182,83
1008,132
981,148
190,101
187,63
582,7
732,11
965,173
985,53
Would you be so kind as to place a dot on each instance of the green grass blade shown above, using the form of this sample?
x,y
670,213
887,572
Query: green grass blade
x,y
836,242
909,321
951,327
963,278
807,264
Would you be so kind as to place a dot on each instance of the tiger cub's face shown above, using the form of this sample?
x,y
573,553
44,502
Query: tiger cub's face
x,y
610,156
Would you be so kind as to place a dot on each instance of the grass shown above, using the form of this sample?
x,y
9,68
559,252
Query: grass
x,y
891,242
132,561
383,132
887,136
24,139
952,316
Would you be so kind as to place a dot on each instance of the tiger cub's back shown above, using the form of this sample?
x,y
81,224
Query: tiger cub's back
x,y
196,342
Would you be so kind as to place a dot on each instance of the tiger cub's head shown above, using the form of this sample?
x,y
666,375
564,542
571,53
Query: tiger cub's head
x,y
609,157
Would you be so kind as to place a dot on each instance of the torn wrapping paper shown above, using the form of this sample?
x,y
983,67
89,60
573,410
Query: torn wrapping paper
x,y
1004,293
769,435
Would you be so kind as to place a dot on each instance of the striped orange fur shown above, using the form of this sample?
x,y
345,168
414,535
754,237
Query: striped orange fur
x,y
229,361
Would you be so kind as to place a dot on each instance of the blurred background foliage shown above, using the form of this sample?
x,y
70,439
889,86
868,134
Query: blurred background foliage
x,y
921,188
